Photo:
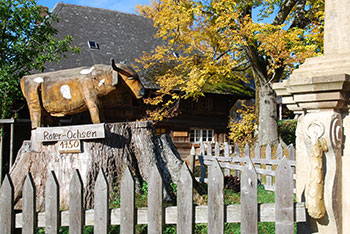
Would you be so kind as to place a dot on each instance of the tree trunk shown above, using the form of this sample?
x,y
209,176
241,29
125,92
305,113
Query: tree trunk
x,y
125,144
267,124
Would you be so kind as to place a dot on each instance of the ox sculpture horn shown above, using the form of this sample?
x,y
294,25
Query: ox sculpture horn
x,y
124,69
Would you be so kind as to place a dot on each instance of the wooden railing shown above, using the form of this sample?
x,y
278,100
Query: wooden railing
x,y
284,212
231,160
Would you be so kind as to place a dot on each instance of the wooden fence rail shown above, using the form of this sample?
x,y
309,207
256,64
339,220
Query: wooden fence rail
x,y
284,212
234,162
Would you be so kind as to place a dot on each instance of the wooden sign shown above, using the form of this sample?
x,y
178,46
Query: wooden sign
x,y
72,146
68,133
180,134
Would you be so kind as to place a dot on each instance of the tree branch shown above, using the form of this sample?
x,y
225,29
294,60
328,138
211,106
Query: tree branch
x,y
258,63
238,67
300,20
284,12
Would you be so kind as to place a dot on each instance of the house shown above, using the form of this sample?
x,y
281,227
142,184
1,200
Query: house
x,y
104,34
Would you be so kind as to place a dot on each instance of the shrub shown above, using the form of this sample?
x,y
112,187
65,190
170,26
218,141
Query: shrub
x,y
286,129
232,182
242,130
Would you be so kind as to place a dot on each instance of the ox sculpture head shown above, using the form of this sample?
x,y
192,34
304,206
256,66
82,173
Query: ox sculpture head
x,y
130,77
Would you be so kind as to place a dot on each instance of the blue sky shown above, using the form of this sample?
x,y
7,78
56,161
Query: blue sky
x,y
118,5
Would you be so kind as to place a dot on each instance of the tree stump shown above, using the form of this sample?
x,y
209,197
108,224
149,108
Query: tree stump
x,y
130,144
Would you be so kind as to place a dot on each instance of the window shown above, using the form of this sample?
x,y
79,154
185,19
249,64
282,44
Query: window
x,y
93,45
199,135
201,105
160,131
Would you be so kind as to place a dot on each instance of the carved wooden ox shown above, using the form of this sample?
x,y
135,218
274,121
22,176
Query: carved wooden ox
x,y
75,90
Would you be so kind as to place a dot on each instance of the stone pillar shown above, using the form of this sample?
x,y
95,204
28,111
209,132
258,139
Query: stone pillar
x,y
319,92
337,27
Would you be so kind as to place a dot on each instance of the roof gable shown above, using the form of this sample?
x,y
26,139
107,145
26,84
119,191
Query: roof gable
x,y
121,36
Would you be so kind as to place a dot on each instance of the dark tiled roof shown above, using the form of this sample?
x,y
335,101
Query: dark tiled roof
x,y
122,36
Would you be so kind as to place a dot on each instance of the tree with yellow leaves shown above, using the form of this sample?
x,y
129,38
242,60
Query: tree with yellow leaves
x,y
206,42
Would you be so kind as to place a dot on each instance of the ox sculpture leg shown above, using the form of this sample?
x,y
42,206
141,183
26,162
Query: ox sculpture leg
x,y
93,105
34,105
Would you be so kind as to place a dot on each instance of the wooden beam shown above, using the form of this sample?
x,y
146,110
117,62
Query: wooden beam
x,y
266,213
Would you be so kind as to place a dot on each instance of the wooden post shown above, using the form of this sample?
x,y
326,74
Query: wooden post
x,y
284,211
1,151
52,215
155,202
215,199
7,217
249,200
201,161
101,201
185,214
127,203
76,211
29,217
12,132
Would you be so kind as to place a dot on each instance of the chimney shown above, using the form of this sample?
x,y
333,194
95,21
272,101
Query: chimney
x,y
44,12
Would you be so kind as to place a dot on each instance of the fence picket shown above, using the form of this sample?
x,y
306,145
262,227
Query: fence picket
x,y
215,199
101,215
268,166
209,149
76,211
291,155
192,159
7,217
257,156
237,155
155,202
52,216
29,206
291,152
227,154
279,153
185,213
246,151
217,149
127,203
284,198
201,148
249,200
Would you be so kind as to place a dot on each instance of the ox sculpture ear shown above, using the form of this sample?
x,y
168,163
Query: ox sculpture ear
x,y
115,77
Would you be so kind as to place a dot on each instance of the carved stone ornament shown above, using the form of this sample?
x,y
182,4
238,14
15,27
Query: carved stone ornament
x,y
314,196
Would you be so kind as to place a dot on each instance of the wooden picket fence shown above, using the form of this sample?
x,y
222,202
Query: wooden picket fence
x,y
231,160
284,212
